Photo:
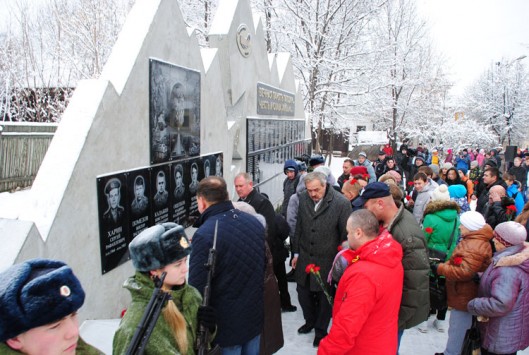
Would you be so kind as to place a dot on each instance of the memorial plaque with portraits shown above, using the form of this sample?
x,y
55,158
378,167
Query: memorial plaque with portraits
x,y
139,190
130,202
161,199
113,220
193,173
179,207
174,112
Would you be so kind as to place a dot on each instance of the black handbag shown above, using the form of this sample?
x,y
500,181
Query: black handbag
x,y
472,341
440,256
438,299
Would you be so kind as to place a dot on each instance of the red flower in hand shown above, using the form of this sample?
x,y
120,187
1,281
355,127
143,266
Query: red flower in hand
x,y
428,230
476,182
408,197
410,183
316,269
309,268
458,260
511,209
340,247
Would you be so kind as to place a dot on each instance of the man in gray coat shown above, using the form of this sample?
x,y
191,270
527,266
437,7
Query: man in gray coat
x,y
415,303
320,229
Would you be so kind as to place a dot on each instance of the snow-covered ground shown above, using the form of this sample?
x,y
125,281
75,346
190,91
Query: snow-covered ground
x,y
100,332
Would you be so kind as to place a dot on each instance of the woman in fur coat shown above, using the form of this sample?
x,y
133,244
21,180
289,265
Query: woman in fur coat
x,y
502,305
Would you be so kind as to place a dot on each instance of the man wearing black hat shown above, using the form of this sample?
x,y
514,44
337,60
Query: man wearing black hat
x,y
415,304
39,299
380,164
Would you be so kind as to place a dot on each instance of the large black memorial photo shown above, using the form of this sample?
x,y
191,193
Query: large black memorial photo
x,y
174,112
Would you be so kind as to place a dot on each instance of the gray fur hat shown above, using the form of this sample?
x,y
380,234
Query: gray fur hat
x,y
35,293
158,246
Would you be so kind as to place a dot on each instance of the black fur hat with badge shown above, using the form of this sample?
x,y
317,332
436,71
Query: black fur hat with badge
x,y
158,246
35,293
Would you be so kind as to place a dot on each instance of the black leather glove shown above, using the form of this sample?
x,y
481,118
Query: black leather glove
x,y
433,267
207,317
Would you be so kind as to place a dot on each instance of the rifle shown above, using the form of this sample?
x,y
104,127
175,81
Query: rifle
x,y
203,332
150,316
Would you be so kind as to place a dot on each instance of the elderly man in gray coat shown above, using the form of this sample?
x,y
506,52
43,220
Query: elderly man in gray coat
x,y
320,229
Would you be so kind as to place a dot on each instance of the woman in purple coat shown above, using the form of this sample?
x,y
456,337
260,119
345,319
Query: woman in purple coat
x,y
502,305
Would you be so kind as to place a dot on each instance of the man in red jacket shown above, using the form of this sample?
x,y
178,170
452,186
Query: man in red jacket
x,y
367,302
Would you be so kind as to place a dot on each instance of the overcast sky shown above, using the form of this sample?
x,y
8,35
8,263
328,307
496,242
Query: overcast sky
x,y
473,34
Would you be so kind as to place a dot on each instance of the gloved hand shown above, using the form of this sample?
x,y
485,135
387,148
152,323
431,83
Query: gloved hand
x,y
433,267
207,317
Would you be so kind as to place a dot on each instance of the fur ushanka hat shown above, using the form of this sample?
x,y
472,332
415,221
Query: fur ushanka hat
x,y
158,246
35,293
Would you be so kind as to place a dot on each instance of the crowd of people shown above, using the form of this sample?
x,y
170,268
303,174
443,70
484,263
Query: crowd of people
x,y
366,250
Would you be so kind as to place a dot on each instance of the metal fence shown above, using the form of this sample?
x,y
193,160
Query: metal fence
x,y
22,149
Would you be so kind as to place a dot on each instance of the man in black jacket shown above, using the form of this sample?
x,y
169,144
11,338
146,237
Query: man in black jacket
x,y
244,188
491,177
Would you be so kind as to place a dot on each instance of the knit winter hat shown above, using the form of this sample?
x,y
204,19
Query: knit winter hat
x,y
472,220
35,293
511,232
158,246
457,191
396,175
463,170
435,168
362,154
316,159
440,193
362,170
447,165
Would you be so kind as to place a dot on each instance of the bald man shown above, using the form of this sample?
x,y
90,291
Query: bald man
x,y
498,209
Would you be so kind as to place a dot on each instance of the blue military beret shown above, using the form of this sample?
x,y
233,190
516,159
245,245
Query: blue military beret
x,y
158,246
35,293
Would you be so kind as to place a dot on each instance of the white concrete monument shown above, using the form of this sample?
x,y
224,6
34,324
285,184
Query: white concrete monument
x,y
106,129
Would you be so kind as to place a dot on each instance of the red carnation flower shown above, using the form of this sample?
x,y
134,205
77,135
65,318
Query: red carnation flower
x,y
316,269
353,181
408,197
123,311
428,230
511,209
458,260
340,248
309,268
410,183
476,182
